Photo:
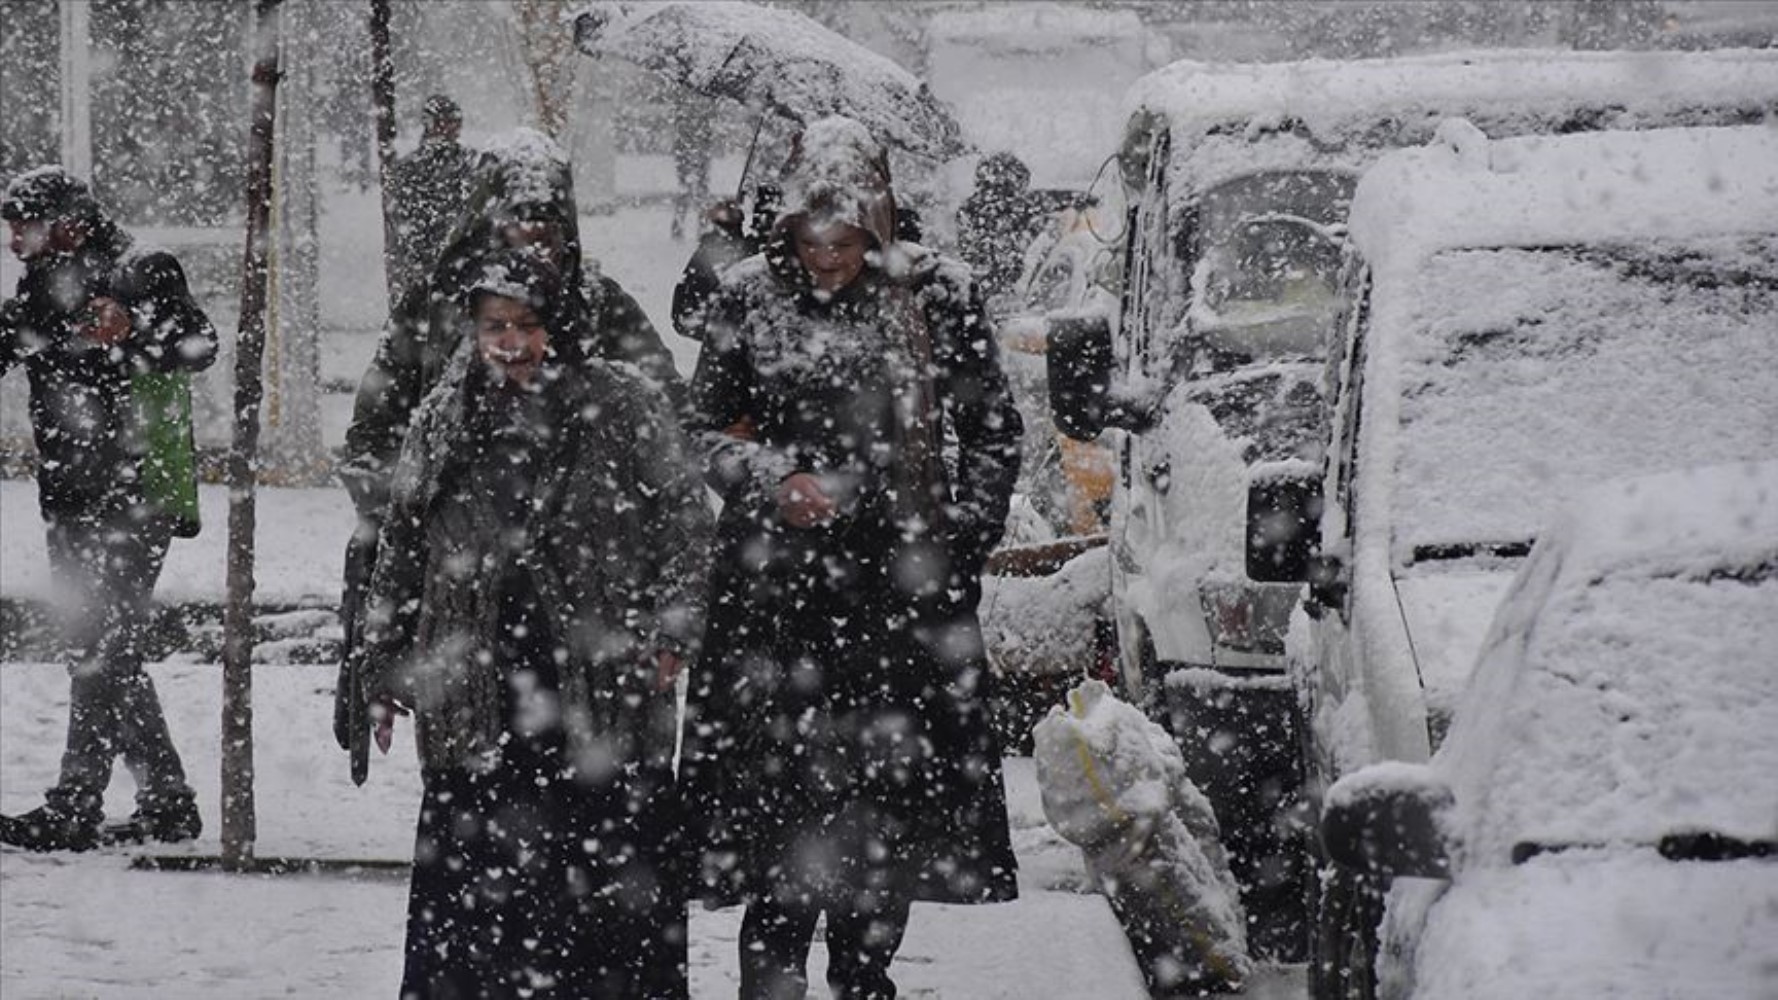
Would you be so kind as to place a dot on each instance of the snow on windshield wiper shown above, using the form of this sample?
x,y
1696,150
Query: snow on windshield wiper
x,y
1698,845
1469,550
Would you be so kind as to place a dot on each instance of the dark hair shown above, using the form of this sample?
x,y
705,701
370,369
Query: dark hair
x,y
439,109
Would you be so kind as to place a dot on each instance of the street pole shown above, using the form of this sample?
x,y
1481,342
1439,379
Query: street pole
x,y
239,824
382,94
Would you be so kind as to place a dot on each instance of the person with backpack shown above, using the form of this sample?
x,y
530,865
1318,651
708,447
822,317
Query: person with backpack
x,y
107,339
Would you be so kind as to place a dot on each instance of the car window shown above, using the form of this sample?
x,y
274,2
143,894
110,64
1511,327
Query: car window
x,y
1526,374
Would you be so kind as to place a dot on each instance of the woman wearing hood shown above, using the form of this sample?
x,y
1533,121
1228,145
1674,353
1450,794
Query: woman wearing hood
x,y
855,420
540,578
523,197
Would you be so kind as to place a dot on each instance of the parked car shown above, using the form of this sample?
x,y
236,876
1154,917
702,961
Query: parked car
x,y
1528,317
1212,377
1602,820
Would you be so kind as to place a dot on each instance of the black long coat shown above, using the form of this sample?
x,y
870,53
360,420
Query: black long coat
x,y
838,736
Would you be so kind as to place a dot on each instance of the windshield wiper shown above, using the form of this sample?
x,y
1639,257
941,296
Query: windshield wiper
x,y
1469,550
1699,845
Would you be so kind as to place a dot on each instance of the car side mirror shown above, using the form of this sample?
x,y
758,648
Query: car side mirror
x,y
1084,397
1387,819
1283,521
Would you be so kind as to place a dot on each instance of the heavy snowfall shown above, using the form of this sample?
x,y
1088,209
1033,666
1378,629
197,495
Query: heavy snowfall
x,y
1353,426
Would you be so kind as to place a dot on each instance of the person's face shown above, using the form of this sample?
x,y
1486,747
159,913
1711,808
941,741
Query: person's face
x,y
33,238
511,338
833,254
544,238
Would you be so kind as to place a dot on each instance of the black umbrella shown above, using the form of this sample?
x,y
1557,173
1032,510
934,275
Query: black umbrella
x,y
776,60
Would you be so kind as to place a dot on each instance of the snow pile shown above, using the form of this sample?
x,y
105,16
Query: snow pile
x,y
1043,625
1114,783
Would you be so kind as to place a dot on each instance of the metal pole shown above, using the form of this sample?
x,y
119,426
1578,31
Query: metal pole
x,y
382,92
239,824
77,117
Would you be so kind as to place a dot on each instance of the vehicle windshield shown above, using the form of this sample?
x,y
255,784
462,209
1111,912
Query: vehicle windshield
x,y
1528,374
1265,280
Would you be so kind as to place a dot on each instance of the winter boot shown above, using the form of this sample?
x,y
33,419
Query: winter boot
x,y
170,818
47,828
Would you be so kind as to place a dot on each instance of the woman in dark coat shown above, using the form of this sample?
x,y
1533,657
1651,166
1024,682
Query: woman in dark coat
x,y
539,580
856,422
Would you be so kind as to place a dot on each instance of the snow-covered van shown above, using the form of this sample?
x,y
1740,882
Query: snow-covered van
x,y
1525,319
1211,380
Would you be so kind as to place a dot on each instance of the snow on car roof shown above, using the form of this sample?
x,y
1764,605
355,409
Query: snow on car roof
x,y
1037,26
1625,691
1468,190
1324,94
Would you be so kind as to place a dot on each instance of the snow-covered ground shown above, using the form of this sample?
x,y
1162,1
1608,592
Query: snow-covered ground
x,y
88,925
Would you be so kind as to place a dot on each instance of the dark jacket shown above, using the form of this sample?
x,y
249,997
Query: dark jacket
x,y
89,454
430,188
601,321
613,550
838,730
997,222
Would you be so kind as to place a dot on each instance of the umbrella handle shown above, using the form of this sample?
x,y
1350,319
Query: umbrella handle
x,y
759,125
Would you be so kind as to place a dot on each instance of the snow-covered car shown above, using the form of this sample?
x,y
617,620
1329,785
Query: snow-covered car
x,y
1608,779
1212,380
1528,317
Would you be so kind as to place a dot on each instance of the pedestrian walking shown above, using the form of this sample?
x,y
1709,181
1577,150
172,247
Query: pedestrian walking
x,y
998,221
539,584
106,337
429,189
839,759
523,197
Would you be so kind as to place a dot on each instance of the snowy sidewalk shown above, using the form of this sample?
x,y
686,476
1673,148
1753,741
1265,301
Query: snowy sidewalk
x,y
87,925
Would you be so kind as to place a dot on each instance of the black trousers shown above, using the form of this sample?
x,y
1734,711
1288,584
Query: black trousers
x,y
109,567
863,935
526,884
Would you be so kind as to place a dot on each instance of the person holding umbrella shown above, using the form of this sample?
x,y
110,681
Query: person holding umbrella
x,y
838,756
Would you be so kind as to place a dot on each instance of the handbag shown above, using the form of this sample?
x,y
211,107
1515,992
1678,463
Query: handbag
x,y
168,476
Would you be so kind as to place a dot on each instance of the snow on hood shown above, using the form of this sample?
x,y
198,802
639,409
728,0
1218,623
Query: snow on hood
x,y
839,173
1628,927
1626,690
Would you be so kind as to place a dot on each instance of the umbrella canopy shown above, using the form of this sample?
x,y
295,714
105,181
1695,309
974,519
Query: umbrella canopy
x,y
774,59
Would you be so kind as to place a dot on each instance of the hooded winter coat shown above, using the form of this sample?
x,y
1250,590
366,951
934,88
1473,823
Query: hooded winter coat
x,y
526,180
838,735
614,548
89,449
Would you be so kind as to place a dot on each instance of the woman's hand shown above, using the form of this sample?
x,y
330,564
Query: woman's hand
x,y
803,503
383,710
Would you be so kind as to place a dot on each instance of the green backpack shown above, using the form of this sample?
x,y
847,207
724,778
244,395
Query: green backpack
x,y
169,453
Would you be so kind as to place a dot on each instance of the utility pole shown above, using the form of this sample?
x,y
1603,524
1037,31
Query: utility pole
x,y
239,822
382,95
77,81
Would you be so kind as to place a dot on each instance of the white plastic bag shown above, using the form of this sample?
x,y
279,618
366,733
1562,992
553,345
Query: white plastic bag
x,y
1114,784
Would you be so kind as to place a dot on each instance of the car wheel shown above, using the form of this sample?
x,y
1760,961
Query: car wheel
x,y
1345,955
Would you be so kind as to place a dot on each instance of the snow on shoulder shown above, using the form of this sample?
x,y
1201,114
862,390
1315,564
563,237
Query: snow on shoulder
x,y
1535,191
